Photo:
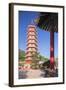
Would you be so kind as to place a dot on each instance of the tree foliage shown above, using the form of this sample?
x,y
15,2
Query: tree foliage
x,y
48,21
21,55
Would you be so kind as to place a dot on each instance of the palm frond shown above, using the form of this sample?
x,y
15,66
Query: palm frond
x,y
46,19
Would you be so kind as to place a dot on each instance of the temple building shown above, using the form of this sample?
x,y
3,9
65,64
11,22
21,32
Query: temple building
x,y
31,44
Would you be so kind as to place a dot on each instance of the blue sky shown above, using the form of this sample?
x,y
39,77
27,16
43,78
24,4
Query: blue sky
x,y
26,18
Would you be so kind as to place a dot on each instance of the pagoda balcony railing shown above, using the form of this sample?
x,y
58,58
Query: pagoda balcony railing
x,y
31,45
32,33
31,40
31,50
29,58
32,37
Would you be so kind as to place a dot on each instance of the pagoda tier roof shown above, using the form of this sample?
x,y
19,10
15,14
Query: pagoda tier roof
x,y
31,25
32,43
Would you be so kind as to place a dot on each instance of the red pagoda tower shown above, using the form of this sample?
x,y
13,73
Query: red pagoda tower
x,y
31,43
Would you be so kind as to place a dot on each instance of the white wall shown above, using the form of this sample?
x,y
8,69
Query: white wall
x,y
4,44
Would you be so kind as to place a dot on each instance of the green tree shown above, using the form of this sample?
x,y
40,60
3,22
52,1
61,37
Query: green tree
x,y
35,60
21,55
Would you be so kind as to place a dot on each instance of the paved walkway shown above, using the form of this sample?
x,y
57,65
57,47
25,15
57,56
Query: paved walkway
x,y
31,74
34,73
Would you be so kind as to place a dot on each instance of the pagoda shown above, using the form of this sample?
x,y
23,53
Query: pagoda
x,y
31,44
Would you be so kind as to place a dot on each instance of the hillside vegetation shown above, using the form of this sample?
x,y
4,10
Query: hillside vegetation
x,y
22,56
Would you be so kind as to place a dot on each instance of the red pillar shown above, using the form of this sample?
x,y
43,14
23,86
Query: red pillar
x,y
51,49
